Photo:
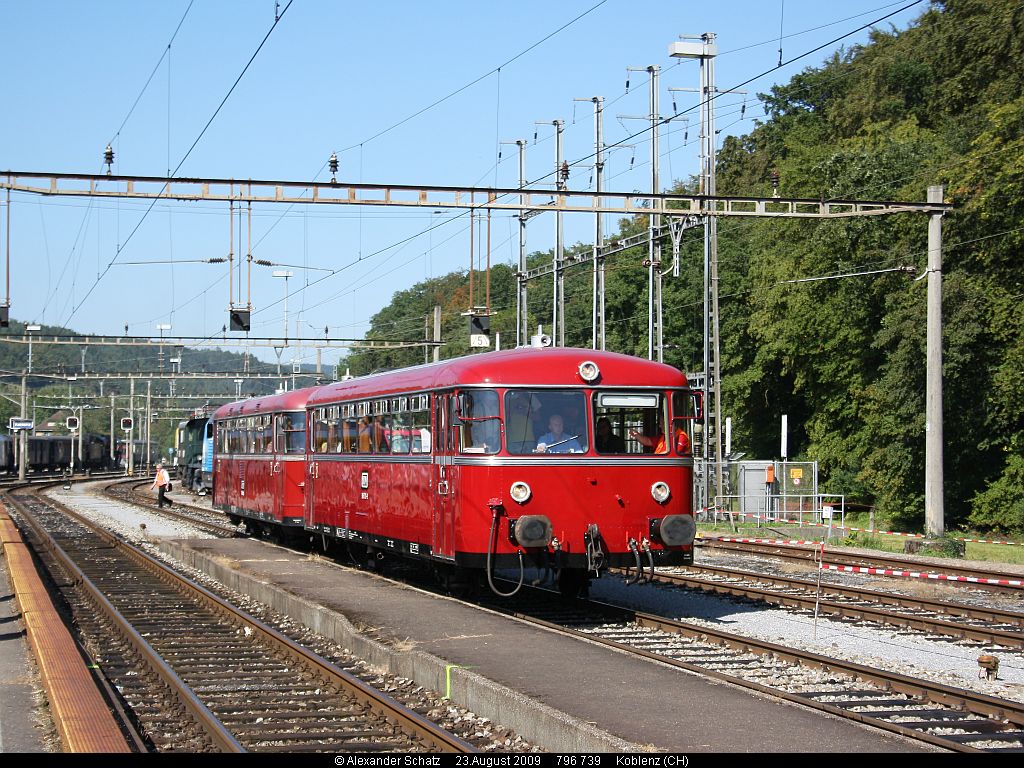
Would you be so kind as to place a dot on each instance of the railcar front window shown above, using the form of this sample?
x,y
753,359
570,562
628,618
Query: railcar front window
x,y
544,421
630,423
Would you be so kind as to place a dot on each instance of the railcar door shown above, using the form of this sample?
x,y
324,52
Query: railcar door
x,y
444,479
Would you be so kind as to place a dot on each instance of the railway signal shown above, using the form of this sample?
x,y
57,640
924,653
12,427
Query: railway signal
x,y
479,331
239,319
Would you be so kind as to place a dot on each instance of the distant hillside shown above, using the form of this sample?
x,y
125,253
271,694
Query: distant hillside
x,y
48,387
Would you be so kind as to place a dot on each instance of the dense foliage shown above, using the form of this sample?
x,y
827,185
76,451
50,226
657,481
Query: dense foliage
x,y
940,103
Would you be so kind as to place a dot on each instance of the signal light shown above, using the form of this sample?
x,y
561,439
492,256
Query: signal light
x,y
239,319
72,423
127,424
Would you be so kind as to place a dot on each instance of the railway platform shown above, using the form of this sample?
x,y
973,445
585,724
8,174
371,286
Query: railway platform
x,y
558,692
24,722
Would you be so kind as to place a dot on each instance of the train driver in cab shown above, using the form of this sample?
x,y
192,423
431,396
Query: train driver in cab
x,y
556,441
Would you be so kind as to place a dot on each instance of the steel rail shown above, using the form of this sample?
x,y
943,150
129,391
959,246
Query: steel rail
x,y
957,699
218,734
224,530
1008,638
832,557
379,703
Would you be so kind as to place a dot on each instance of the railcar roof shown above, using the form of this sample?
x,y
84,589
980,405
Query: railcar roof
x,y
524,366
286,401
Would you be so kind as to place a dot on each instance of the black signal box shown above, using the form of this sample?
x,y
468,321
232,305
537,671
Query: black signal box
x,y
239,319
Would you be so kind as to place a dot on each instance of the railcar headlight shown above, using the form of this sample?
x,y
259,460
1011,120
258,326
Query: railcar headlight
x,y
589,371
520,492
660,491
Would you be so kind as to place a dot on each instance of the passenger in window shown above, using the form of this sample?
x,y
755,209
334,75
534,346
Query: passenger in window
x,y
682,442
555,440
605,439
366,434
657,442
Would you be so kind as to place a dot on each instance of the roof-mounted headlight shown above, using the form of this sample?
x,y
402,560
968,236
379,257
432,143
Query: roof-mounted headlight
x,y
589,371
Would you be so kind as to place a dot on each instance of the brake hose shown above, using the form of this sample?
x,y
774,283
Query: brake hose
x,y
492,543
639,567
650,560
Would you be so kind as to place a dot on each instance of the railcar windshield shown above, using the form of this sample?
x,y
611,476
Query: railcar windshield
x,y
546,421
630,422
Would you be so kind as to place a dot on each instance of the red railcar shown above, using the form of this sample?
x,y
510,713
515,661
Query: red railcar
x,y
260,462
563,459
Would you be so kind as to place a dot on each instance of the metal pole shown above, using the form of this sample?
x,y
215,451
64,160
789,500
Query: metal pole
x,y
934,514
437,332
8,300
558,302
654,335
149,421
522,327
23,442
231,251
248,257
81,431
712,190
130,447
472,219
708,220
597,315
113,433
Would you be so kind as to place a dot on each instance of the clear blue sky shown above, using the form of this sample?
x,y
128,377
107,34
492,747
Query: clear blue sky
x,y
334,76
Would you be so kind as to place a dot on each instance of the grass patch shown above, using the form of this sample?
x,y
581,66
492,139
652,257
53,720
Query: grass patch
x,y
995,553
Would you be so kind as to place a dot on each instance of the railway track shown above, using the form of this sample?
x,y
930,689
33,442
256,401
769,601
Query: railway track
x,y
940,715
200,675
203,518
984,625
879,564
49,478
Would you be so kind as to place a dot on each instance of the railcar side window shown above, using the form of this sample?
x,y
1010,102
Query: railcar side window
x,y
420,437
630,423
400,434
370,434
684,412
318,442
543,421
293,426
477,419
